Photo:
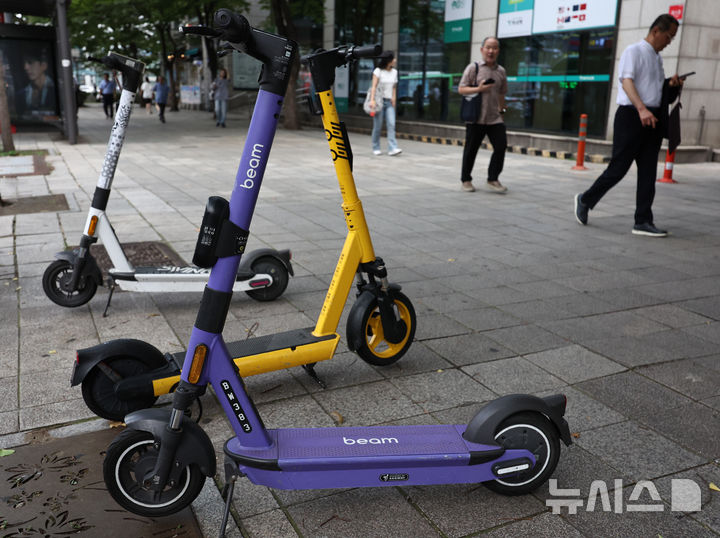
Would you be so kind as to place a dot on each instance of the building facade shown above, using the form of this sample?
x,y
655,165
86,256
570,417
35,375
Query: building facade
x,y
561,57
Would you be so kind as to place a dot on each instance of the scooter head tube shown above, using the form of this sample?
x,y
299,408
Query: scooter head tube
x,y
248,180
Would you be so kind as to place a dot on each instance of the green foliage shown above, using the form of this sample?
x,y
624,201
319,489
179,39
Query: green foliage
x,y
142,29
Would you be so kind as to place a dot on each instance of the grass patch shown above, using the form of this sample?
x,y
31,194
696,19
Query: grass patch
x,y
16,153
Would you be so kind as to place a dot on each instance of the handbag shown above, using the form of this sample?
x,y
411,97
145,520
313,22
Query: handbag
x,y
471,106
368,105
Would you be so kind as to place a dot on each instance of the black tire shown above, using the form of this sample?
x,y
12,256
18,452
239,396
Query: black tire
x,y
534,432
278,271
129,458
98,389
55,281
364,325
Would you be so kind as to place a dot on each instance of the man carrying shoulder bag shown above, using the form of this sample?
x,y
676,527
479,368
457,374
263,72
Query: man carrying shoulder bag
x,y
487,81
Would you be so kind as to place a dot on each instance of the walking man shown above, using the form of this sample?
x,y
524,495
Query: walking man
x,y
161,91
488,79
107,92
640,125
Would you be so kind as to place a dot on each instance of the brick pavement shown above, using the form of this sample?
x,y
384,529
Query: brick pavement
x,y
511,295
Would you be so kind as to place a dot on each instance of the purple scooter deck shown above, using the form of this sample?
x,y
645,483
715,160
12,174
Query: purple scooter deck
x,y
313,458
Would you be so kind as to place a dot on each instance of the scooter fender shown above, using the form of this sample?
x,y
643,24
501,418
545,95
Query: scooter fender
x,y
195,446
89,357
484,424
90,269
282,256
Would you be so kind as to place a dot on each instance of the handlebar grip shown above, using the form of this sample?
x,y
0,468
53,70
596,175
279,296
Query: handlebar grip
x,y
199,30
366,51
233,27
107,61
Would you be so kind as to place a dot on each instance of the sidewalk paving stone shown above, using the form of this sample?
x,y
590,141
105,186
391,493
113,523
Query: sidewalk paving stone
x,y
510,295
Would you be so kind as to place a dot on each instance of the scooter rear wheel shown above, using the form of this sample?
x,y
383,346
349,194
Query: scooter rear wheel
x,y
129,462
98,387
55,283
533,432
279,273
364,325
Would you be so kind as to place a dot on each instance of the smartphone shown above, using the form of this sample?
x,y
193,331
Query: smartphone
x,y
686,75
490,81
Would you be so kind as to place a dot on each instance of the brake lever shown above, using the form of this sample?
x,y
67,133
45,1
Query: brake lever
x,y
205,31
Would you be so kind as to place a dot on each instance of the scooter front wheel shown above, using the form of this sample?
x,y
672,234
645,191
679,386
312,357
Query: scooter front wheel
x,y
128,466
533,432
56,281
98,387
364,328
279,273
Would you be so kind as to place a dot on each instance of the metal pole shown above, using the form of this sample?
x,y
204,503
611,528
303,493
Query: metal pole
x,y
68,93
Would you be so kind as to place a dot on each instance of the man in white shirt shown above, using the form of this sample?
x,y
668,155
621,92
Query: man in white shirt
x,y
640,125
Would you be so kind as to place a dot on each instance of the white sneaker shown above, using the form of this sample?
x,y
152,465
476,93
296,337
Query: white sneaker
x,y
377,152
395,151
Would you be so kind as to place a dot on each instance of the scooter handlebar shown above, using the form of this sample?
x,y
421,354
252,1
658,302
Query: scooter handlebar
x,y
366,51
233,27
131,69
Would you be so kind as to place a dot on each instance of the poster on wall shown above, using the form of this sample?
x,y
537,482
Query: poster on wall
x,y
30,79
563,15
458,20
515,18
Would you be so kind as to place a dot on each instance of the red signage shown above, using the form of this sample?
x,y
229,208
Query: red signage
x,y
676,11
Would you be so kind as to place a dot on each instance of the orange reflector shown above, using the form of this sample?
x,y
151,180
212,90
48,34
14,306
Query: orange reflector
x,y
93,225
197,363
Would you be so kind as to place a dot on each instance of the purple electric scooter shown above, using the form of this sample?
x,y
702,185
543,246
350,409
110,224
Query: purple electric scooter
x,y
159,464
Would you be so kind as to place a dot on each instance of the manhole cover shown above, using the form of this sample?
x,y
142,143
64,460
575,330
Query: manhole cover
x,y
144,253
35,204
56,489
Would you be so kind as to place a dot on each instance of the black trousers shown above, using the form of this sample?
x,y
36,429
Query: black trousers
x,y
161,106
474,135
631,143
107,99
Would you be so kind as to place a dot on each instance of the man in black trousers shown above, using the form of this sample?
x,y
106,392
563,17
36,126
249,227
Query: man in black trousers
x,y
640,125
488,79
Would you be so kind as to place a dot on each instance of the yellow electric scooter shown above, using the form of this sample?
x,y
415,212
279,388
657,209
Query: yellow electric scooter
x,y
125,375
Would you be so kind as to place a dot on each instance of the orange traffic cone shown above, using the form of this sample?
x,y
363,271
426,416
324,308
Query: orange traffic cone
x,y
667,174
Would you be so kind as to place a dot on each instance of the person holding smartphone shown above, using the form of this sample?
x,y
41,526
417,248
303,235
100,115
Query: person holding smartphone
x,y
489,79
640,124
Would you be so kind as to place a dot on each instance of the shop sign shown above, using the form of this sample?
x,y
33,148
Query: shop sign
x,y
458,20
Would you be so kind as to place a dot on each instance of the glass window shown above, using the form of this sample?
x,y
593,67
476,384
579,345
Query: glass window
x,y
429,68
357,22
553,78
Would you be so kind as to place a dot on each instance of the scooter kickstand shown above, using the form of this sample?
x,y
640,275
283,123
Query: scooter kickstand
x,y
310,369
231,476
111,285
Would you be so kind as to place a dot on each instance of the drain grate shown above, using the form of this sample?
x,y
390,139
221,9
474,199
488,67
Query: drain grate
x,y
143,253
56,489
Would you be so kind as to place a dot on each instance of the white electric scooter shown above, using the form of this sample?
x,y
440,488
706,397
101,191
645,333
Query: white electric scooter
x,y
72,279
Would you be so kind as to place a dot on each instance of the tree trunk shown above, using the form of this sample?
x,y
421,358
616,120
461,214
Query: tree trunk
x,y
283,21
7,139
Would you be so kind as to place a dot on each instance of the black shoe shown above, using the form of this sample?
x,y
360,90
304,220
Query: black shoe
x,y
162,119
581,210
648,229
222,125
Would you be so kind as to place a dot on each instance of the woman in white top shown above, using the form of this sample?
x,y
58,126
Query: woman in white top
x,y
147,92
384,94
